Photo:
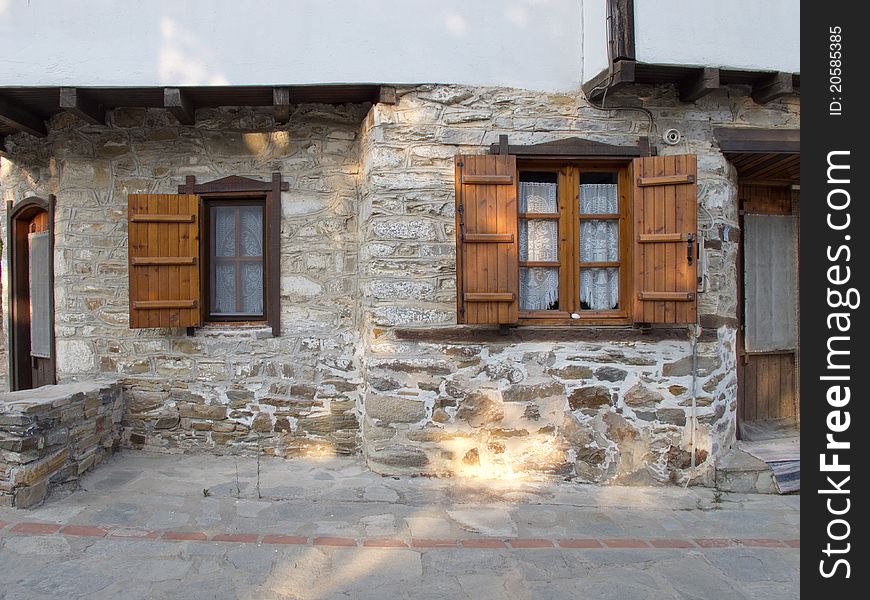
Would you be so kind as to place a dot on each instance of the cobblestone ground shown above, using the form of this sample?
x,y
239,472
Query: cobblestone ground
x,y
158,526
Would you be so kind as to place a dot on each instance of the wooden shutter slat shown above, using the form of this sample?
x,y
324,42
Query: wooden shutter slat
x,y
163,260
162,218
153,304
665,206
491,238
668,296
490,297
665,179
488,179
487,239
163,248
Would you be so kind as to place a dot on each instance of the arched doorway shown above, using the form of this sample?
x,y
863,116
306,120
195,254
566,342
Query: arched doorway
x,y
30,246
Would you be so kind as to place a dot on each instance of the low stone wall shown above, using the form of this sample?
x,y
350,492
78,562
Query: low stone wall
x,y
51,435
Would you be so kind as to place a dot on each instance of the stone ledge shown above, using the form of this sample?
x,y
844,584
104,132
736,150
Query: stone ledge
x,y
51,435
534,333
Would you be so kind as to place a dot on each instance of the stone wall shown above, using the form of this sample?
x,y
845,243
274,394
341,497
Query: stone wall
x,y
51,435
606,407
370,358
226,389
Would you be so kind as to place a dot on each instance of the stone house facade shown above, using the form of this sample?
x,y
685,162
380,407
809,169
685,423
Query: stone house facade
x,y
371,355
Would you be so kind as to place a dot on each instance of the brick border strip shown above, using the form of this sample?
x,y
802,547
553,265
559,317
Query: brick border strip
x,y
36,528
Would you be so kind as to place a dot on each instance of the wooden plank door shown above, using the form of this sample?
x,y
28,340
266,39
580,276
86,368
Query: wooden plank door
x,y
768,337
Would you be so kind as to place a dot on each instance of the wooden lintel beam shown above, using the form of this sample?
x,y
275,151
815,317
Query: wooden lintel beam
x,y
21,119
281,102
387,95
623,73
773,87
86,108
699,85
177,102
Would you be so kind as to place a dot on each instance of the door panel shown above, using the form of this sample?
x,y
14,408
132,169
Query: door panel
x,y
768,345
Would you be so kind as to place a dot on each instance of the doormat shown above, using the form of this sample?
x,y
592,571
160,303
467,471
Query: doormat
x,y
783,456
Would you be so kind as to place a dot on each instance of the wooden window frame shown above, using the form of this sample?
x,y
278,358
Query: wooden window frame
x,y
207,251
237,188
568,176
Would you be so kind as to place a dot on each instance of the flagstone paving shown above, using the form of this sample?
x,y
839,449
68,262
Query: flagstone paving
x,y
167,526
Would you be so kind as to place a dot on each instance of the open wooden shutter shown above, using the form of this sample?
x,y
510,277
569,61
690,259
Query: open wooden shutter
x,y
665,232
487,260
163,248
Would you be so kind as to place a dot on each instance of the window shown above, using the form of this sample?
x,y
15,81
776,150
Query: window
x,y
576,242
571,225
236,286
207,254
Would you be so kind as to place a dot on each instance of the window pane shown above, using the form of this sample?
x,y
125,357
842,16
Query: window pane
x,y
224,230
539,239
252,288
224,288
599,289
252,230
599,240
539,288
598,193
538,197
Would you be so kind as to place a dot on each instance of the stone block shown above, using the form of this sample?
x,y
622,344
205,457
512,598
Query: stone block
x,y
639,395
594,396
394,409
481,408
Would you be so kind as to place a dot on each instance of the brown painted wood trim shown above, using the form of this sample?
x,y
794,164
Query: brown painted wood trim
x,y
273,257
281,102
775,86
621,15
176,101
601,264
488,179
73,100
488,238
152,304
756,140
387,94
230,184
623,74
645,238
665,180
667,296
490,297
138,261
21,119
143,218
598,216
540,263
535,215
699,85
575,148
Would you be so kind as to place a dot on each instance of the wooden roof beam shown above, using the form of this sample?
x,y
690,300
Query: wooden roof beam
x,y
387,94
86,108
18,118
623,73
773,87
281,102
699,85
177,102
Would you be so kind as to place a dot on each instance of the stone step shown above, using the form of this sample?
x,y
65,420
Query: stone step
x,y
740,472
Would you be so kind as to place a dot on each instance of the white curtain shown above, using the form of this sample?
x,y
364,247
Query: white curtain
x,y
599,242
539,241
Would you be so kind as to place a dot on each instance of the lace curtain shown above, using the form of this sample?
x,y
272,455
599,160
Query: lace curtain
x,y
599,242
539,241
243,225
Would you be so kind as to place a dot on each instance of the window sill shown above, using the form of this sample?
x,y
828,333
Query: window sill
x,y
545,333
251,332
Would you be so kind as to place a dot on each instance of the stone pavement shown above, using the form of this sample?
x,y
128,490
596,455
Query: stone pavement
x,y
167,526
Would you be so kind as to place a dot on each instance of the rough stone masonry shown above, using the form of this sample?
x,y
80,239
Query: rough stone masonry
x,y
370,358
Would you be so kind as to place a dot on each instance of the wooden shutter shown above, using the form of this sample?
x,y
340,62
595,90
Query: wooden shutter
x,y
487,258
163,249
665,236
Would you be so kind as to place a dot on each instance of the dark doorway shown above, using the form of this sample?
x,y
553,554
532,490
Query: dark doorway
x,y
31,293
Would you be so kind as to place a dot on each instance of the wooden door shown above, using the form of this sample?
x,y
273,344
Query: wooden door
x,y
31,287
768,337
